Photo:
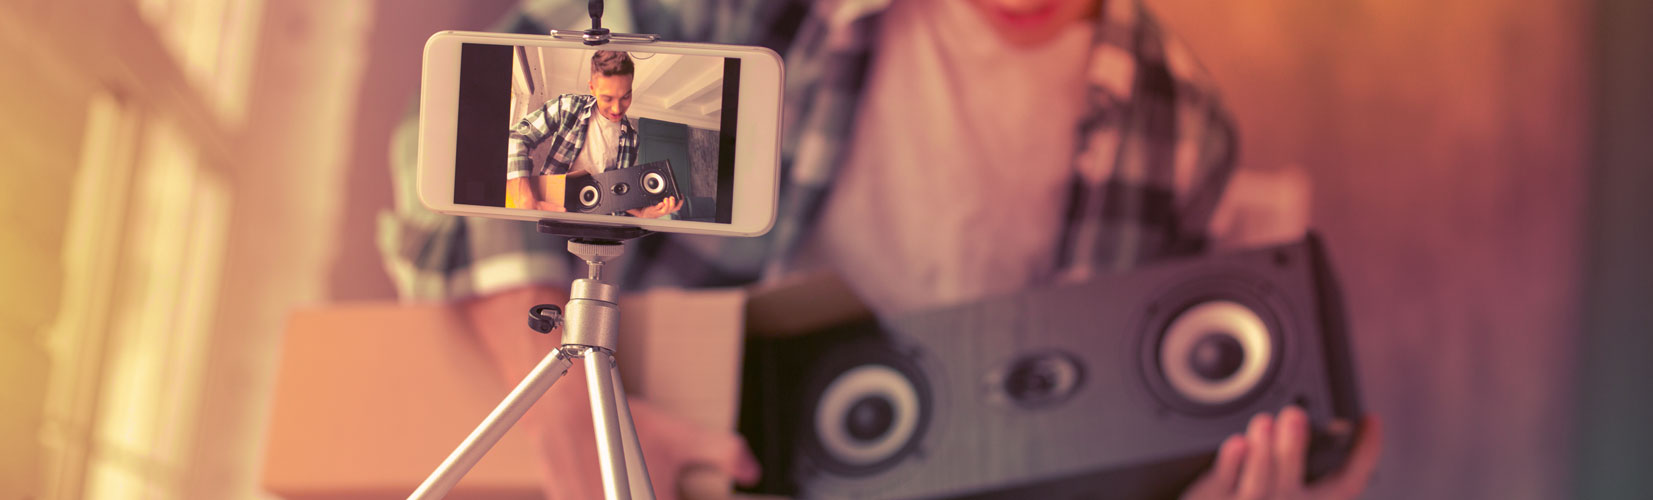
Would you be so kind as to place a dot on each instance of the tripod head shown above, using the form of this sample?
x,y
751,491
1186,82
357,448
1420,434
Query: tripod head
x,y
596,245
597,34
590,298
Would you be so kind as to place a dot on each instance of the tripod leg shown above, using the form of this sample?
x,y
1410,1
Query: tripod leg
x,y
636,469
494,427
599,376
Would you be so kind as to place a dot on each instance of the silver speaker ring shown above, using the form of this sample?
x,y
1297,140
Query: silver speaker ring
x,y
654,183
842,394
589,196
1222,317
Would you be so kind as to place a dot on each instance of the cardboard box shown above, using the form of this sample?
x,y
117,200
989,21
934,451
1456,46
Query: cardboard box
x,y
372,396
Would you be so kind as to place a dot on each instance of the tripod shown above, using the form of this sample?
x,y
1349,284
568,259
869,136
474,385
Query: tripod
x,y
590,332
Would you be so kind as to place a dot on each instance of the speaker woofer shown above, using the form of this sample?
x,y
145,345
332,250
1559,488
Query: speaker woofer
x,y
654,183
867,407
1216,353
1213,346
867,415
589,196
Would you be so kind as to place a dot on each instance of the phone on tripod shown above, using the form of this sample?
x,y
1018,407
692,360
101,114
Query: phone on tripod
x,y
662,136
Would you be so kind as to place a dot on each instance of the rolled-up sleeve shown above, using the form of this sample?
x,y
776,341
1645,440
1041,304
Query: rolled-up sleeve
x,y
434,256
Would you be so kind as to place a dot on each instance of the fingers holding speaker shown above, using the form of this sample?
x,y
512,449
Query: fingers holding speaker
x,y
1266,463
668,205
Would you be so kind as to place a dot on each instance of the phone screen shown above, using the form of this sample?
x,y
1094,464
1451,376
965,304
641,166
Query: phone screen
x,y
596,131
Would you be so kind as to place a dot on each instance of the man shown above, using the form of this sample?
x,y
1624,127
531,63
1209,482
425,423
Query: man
x,y
582,143
1104,133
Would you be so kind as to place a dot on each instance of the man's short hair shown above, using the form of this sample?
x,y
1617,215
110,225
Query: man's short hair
x,y
612,63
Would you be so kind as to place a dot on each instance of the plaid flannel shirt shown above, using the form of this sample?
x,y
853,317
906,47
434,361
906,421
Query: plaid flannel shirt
x,y
565,121
1154,153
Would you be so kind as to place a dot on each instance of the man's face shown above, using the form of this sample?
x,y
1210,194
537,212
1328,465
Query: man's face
x,y
613,95
1027,23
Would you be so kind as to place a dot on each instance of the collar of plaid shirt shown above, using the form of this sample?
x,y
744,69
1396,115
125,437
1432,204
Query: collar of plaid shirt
x,y
573,125
1155,151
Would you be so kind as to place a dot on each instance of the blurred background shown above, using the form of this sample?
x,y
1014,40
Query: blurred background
x,y
179,175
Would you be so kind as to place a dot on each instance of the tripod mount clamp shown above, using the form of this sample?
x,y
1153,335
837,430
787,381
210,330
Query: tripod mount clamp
x,y
592,301
594,244
591,232
599,35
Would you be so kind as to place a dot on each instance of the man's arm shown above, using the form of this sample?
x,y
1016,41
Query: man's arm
x,y
518,193
520,190
540,192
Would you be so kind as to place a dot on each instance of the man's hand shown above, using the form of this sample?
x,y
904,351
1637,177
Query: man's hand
x,y
1267,463
665,207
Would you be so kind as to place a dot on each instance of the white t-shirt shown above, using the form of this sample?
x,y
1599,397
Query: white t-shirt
x,y
602,145
957,179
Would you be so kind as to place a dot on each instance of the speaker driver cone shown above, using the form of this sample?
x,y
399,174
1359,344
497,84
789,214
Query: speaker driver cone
x,y
653,183
867,415
866,407
1216,353
589,196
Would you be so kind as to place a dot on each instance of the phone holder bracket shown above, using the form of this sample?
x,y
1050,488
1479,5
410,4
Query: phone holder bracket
x,y
599,35
591,232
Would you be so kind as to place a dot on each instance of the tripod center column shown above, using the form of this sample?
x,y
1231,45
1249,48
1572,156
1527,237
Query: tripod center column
x,y
592,317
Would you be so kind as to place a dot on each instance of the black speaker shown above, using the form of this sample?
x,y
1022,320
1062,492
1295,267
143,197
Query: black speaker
x,y
1121,387
619,190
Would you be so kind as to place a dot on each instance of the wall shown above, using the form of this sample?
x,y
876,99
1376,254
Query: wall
x,y
40,128
1615,442
1447,144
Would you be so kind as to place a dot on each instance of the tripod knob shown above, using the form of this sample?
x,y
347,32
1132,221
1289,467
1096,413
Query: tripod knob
x,y
542,322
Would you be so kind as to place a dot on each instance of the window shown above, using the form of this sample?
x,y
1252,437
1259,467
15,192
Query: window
x,y
213,40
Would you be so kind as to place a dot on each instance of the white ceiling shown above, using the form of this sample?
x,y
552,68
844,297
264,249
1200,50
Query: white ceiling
x,y
670,87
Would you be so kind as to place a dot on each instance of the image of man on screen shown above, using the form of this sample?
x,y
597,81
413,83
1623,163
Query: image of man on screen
x,y
589,134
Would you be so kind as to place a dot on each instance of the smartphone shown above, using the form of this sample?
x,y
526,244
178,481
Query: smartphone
x,y
665,136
